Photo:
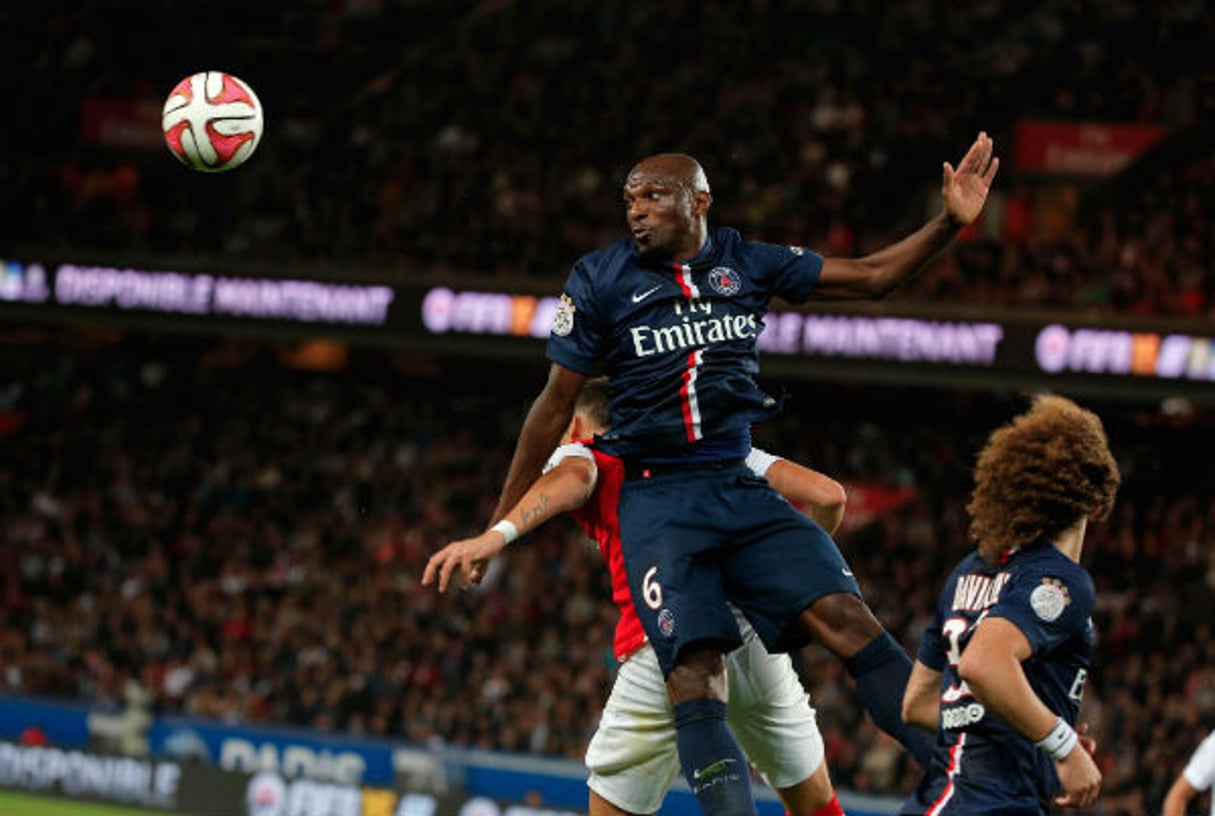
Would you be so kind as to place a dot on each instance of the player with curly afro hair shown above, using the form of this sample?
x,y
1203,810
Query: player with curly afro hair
x,y
1002,666
1039,475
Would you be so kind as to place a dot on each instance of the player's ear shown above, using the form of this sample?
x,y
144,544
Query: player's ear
x,y
701,201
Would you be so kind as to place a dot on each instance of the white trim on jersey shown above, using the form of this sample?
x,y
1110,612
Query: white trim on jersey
x,y
955,762
690,289
689,397
575,449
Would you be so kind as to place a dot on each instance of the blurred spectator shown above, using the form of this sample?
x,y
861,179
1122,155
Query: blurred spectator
x,y
491,138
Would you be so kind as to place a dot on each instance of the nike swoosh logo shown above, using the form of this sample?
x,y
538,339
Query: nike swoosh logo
x,y
717,767
848,572
640,296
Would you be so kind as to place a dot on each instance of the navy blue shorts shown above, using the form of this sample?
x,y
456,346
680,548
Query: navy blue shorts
x,y
972,775
693,540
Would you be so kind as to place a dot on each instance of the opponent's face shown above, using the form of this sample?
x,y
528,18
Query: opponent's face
x,y
662,212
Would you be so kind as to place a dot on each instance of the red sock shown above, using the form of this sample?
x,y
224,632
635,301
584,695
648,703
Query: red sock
x,y
832,808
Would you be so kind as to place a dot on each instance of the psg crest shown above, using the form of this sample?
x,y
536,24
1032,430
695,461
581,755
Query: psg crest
x,y
724,280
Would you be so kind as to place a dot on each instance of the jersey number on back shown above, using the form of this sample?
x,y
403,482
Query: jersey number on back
x,y
953,629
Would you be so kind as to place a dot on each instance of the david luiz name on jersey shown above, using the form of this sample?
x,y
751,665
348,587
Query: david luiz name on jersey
x,y
691,331
975,593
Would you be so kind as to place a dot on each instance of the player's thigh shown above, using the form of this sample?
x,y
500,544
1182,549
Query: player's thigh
x,y
784,563
632,757
671,550
770,714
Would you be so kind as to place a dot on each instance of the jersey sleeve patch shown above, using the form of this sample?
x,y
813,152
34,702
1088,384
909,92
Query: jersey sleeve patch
x,y
563,317
1049,599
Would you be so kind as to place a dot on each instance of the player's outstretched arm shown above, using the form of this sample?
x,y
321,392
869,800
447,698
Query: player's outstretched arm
x,y
566,487
991,668
821,497
922,699
546,421
963,194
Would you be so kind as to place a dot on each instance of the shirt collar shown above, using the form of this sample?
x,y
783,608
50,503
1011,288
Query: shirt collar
x,y
700,259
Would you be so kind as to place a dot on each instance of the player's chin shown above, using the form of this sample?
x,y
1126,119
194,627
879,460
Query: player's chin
x,y
646,247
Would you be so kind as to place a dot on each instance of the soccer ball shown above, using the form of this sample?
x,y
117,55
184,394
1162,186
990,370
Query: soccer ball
x,y
212,121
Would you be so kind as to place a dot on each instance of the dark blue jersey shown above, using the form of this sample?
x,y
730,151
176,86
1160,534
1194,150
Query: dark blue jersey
x,y
984,765
678,341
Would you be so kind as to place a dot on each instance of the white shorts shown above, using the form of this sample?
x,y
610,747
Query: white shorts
x,y
632,756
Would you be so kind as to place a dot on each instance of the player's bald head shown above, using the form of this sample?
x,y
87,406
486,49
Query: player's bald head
x,y
666,202
678,169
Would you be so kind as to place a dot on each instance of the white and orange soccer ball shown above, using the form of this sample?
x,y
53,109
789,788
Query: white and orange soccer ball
x,y
212,121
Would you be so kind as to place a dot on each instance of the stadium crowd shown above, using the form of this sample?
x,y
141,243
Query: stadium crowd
x,y
491,137
241,541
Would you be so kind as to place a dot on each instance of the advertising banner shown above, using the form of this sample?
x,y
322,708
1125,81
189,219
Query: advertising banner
x,y
63,724
1005,348
83,775
1081,148
122,123
326,757
200,767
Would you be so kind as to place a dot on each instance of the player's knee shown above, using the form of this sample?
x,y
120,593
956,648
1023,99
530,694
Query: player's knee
x,y
699,673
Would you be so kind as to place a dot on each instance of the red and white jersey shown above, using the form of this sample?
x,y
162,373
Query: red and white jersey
x,y
598,518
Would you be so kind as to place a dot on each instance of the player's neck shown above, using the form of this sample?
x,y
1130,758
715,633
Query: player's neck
x,y
695,244
1070,542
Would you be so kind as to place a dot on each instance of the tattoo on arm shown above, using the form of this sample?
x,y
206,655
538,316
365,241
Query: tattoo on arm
x,y
529,514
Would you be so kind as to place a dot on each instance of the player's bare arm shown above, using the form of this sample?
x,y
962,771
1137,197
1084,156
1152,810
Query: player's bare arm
x,y
566,487
991,668
546,421
821,497
922,699
1178,796
963,193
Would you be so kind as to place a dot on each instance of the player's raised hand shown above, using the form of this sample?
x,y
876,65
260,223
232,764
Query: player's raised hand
x,y
469,555
964,190
1080,778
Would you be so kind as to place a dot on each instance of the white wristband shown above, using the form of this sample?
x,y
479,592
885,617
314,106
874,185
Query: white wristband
x,y
509,531
1060,741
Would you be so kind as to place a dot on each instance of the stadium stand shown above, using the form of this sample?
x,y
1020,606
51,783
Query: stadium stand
x,y
808,138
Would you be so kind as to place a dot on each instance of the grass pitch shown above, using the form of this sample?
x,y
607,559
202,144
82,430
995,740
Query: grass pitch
x,y
24,804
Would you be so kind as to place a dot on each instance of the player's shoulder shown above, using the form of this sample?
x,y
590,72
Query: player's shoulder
x,y
606,258
604,273
732,241
1206,748
568,451
1051,583
1046,559
726,237
973,564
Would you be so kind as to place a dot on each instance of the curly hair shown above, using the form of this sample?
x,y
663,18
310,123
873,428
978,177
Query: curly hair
x,y
1039,475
